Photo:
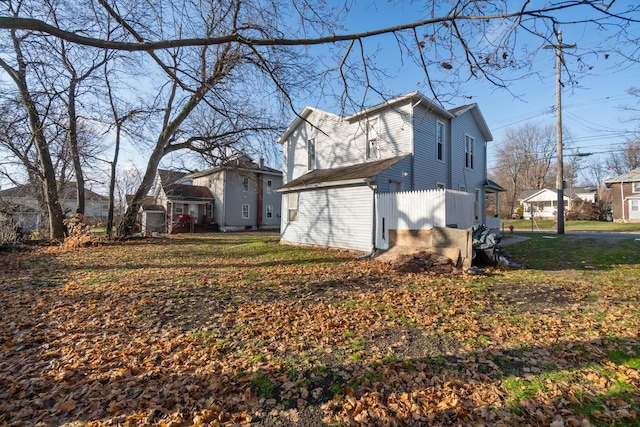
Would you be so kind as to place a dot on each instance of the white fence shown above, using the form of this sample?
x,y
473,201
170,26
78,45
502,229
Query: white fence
x,y
422,210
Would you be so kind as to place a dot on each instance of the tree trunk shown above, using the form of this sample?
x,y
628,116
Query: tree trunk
x,y
73,145
129,219
57,229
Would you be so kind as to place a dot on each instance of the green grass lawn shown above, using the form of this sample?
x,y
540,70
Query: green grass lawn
x,y
226,329
545,225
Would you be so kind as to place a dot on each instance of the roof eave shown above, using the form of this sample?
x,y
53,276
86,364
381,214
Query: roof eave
x,y
324,184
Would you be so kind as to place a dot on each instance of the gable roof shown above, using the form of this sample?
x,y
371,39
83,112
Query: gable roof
x,y
241,163
631,176
415,97
354,174
477,116
170,176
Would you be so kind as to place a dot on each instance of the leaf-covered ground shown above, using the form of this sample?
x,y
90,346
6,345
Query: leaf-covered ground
x,y
236,329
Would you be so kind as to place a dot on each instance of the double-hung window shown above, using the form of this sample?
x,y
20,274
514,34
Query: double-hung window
x,y
245,211
439,140
373,148
292,206
311,154
469,146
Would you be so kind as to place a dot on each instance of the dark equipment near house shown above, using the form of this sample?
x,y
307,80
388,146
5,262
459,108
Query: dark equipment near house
x,y
486,246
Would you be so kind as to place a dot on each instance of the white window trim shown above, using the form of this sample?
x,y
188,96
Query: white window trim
x,y
311,154
248,211
469,157
269,186
443,142
245,184
372,128
635,187
290,209
269,211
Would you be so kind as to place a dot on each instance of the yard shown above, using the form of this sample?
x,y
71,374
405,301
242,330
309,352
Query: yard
x,y
228,329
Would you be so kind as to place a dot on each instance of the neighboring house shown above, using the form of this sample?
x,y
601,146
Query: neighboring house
x,y
334,166
244,194
544,203
173,194
626,196
21,203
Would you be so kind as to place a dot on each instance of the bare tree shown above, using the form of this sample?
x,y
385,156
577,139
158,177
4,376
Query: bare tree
x,y
626,158
213,56
526,160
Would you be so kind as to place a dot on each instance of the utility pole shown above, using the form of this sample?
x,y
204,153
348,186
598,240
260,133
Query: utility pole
x,y
560,167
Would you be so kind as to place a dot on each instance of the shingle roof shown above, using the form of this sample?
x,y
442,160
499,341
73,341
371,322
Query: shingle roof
x,y
187,192
345,173
631,176
170,177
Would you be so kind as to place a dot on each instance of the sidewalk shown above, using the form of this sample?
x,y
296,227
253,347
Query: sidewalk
x,y
510,239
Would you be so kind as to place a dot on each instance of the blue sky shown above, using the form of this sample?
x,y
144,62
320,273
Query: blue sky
x,y
591,108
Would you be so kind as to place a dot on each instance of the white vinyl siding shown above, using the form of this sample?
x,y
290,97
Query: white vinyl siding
x,y
336,217
373,149
292,207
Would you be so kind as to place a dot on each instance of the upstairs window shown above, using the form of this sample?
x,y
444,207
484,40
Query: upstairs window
x,y
440,140
245,184
311,154
635,187
373,148
269,186
469,146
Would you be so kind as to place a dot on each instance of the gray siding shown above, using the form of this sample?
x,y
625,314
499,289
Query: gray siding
x,y
271,199
400,173
471,179
331,217
215,182
428,170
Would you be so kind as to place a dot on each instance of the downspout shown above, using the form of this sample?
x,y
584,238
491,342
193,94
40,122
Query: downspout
x,y
413,145
622,201
373,187
260,200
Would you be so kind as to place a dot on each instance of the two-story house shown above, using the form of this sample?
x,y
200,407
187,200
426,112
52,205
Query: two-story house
x,y
243,192
625,190
333,165
236,195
